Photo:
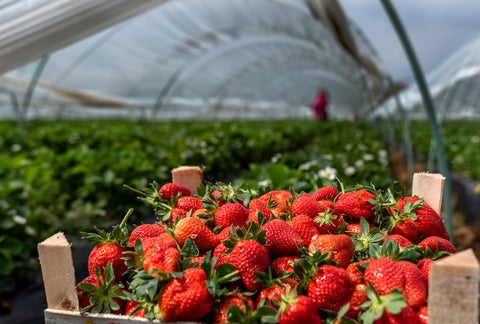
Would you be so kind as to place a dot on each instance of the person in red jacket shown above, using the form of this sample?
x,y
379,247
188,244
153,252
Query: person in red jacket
x,y
320,105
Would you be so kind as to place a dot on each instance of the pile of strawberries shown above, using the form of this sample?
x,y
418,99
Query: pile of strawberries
x,y
231,255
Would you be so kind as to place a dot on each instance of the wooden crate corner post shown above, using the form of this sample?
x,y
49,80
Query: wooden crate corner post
x,y
454,280
58,273
188,176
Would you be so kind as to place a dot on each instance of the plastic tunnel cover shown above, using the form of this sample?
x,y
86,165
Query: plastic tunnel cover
x,y
214,56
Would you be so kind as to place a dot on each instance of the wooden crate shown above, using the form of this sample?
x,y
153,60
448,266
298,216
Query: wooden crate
x,y
453,290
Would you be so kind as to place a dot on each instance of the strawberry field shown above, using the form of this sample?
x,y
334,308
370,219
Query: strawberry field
x,y
71,176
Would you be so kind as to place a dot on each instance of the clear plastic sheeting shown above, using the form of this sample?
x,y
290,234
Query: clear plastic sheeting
x,y
454,87
202,59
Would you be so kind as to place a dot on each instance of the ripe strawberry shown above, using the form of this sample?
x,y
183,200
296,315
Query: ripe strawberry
x,y
130,307
189,203
359,296
415,288
192,228
356,204
341,246
325,193
249,256
331,288
171,190
220,314
399,239
256,206
385,275
284,263
354,229
424,266
404,226
327,220
282,239
298,309
272,294
278,199
186,298
427,219
231,214
305,205
176,213
353,269
306,227
437,244
108,253
422,314
145,231
406,315
160,253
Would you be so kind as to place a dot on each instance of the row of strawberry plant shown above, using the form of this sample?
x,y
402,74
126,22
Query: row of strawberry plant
x,y
70,175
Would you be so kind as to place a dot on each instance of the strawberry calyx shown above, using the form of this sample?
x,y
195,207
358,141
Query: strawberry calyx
x,y
120,234
220,278
376,305
105,295
307,265
253,232
390,249
367,238
262,314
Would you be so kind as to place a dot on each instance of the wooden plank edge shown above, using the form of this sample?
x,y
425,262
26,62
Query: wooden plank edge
x,y
55,316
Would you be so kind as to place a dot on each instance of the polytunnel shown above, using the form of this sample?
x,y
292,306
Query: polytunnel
x,y
453,86
191,59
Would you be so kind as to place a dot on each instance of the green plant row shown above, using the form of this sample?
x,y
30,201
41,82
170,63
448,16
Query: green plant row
x,y
69,175
461,140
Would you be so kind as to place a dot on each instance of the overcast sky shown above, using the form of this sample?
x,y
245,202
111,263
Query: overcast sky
x,y
436,29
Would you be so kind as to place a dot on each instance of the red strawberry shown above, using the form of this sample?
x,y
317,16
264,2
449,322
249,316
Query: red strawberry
x,y
353,269
231,214
385,275
130,307
103,254
255,207
192,228
327,220
278,199
422,314
406,315
284,263
443,245
354,228
249,256
282,239
356,204
415,288
331,288
306,227
424,266
145,231
305,205
325,193
428,221
170,190
404,226
175,213
186,298
399,239
220,314
272,294
298,309
189,203
341,246
357,299
160,253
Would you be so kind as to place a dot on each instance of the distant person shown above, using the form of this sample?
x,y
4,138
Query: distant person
x,y
320,105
